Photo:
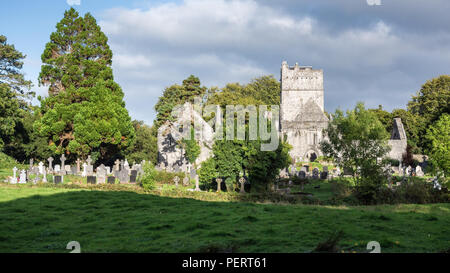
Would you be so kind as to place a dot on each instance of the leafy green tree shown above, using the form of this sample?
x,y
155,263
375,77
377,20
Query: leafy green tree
x,y
439,137
177,95
355,141
85,112
429,104
145,147
191,148
384,117
14,92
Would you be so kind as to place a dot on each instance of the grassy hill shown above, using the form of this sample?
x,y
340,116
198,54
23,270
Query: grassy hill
x,y
45,219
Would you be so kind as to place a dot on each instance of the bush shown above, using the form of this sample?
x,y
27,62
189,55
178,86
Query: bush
x,y
149,177
7,161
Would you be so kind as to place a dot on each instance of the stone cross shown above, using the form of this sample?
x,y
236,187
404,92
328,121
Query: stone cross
x,y
176,179
219,184
63,159
89,160
50,163
15,173
242,181
31,163
78,165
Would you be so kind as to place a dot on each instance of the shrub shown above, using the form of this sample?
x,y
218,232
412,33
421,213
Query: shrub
x,y
148,179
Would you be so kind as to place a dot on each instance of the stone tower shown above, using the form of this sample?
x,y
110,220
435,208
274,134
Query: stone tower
x,y
398,141
302,116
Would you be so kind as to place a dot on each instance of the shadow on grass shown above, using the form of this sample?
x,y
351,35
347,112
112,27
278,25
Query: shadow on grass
x,y
114,221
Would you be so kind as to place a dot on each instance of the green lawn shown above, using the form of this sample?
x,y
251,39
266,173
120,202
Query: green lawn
x,y
45,219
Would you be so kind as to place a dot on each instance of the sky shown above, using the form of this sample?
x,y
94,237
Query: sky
x,y
377,54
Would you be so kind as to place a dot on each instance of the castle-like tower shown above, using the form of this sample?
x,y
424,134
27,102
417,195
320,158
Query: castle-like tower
x,y
302,117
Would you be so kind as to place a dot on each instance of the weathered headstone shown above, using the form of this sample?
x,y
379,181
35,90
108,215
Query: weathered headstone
x,y
133,176
324,175
84,173
57,168
348,171
50,164
57,179
14,178
111,180
31,163
419,171
176,179
44,176
89,167
23,177
124,177
315,173
78,166
63,166
91,179
242,182
219,183
302,175
117,165
68,169
74,170
101,174
41,167
186,181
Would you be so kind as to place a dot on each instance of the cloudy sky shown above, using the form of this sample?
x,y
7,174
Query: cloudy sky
x,y
379,54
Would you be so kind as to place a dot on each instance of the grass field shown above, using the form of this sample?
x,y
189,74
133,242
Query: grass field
x,y
45,219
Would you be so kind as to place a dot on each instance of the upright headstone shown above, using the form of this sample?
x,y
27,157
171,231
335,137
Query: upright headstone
x,y
111,180
315,173
124,176
44,176
409,171
57,168
176,179
133,176
57,179
324,175
219,184
89,167
14,178
74,170
117,165
41,167
23,177
31,164
101,174
50,164
108,170
91,179
242,182
419,171
78,166
68,169
63,166
84,173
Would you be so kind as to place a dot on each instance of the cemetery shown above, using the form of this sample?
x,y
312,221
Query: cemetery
x,y
246,167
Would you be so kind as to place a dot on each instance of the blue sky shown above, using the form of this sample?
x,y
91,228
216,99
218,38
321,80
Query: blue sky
x,y
376,54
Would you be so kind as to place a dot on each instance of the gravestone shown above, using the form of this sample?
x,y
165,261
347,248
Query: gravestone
x,y
348,171
74,170
419,171
219,183
31,164
78,166
50,164
111,180
44,176
57,168
91,179
108,170
68,169
101,174
133,176
57,179
323,175
409,171
315,173
41,167
302,175
186,181
14,178
22,177
63,167
89,167
242,181
84,173
124,176
176,179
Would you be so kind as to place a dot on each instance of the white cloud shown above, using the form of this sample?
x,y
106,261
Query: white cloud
x,y
74,2
226,41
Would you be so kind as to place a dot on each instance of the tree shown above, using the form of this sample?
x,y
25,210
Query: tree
x,y
429,104
177,95
439,137
145,147
14,91
355,141
85,112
